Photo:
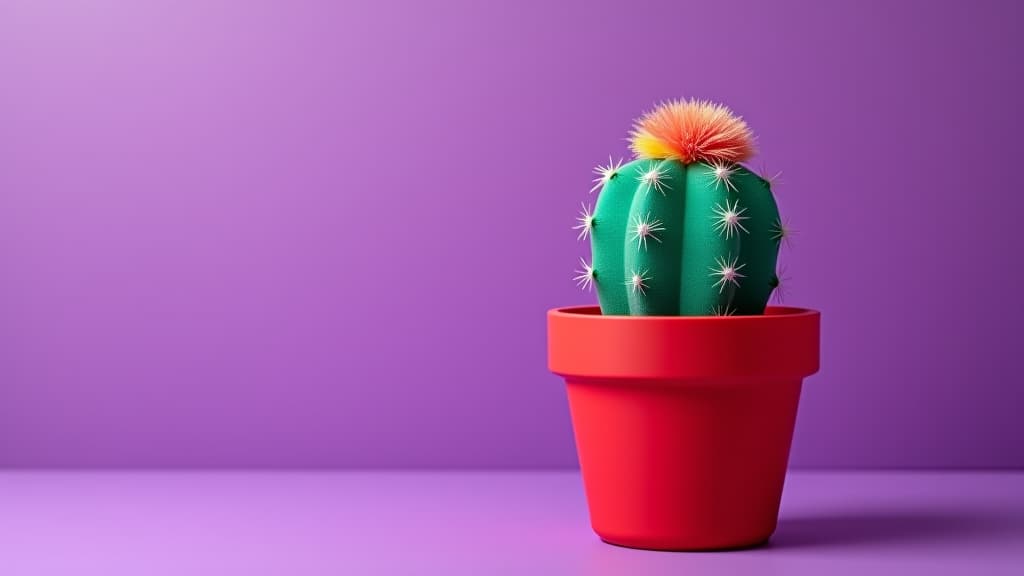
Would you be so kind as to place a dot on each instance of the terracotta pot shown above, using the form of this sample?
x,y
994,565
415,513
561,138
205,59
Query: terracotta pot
x,y
683,424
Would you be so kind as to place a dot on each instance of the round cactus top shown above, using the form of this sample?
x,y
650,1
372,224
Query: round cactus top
x,y
692,131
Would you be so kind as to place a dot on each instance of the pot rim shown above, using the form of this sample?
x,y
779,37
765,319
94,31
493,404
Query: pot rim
x,y
593,313
780,346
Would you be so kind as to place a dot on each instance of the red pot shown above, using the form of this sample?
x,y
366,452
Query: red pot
x,y
683,424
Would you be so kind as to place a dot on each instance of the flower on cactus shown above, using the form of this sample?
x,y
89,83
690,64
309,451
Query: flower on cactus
x,y
693,131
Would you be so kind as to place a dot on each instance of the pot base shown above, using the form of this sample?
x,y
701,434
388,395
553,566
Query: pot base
x,y
659,547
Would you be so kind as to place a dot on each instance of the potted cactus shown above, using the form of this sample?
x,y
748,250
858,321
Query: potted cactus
x,y
683,385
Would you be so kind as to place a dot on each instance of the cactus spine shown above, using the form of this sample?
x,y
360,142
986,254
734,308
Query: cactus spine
x,y
684,230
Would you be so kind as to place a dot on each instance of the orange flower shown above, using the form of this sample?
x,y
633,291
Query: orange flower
x,y
692,131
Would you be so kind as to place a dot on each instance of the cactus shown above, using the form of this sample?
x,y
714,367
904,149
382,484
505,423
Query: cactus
x,y
684,229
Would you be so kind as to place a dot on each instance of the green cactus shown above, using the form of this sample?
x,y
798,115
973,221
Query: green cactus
x,y
684,230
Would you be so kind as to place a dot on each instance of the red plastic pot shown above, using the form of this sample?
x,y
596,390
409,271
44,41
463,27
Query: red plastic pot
x,y
683,424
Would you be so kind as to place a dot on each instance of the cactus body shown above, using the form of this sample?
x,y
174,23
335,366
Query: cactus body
x,y
684,230
680,264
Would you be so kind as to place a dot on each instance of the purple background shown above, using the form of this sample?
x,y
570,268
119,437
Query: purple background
x,y
325,233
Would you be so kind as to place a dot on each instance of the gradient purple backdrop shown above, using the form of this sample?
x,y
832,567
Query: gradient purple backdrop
x,y
326,233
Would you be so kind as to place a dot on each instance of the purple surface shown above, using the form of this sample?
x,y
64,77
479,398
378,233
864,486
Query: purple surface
x,y
117,523
325,233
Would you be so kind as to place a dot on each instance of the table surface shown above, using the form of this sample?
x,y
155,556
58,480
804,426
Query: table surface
x,y
532,523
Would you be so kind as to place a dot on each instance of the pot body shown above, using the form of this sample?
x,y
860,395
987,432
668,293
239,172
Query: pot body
x,y
683,424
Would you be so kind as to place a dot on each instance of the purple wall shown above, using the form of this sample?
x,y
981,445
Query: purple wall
x,y
326,233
